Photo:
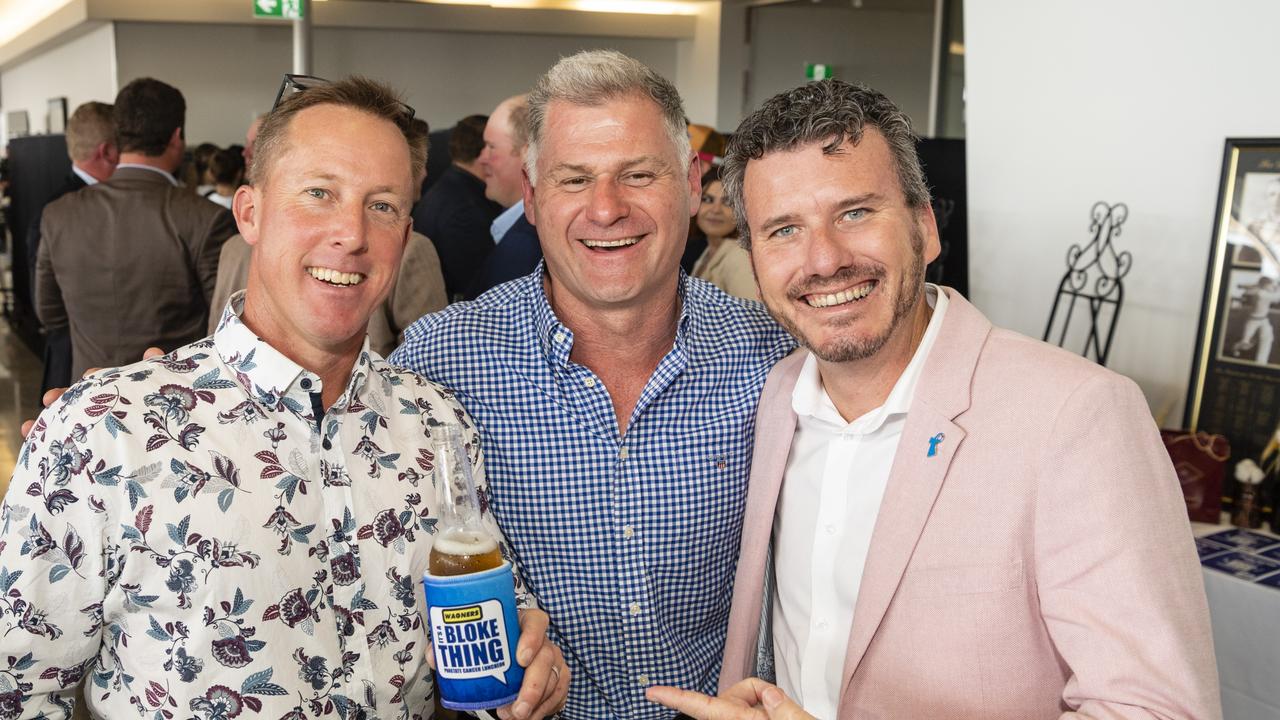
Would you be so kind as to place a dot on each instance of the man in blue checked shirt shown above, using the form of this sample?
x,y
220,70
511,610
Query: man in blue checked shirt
x,y
616,396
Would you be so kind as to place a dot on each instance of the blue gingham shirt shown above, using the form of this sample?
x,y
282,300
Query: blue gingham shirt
x,y
630,541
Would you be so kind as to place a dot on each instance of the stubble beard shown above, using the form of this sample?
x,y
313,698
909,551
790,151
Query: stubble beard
x,y
852,347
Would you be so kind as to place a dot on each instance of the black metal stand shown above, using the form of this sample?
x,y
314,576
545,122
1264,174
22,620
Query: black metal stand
x,y
1093,278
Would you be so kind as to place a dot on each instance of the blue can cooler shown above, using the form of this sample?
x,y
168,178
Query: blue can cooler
x,y
474,631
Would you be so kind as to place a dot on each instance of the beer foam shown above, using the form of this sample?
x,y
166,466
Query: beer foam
x,y
464,542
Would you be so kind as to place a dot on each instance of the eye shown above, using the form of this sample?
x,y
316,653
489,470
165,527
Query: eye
x,y
855,214
784,231
638,178
317,193
708,200
384,207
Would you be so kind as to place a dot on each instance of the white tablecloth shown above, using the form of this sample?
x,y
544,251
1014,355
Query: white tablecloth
x,y
1246,636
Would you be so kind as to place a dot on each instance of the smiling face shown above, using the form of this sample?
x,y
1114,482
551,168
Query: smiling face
x,y
501,160
612,203
328,225
715,218
838,253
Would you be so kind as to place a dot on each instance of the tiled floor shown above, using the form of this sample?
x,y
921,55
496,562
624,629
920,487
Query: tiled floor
x,y
19,394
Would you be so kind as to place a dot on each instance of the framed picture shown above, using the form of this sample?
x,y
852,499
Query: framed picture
x,y
57,116
1235,380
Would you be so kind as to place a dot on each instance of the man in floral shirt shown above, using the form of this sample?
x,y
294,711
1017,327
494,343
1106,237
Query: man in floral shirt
x,y
238,528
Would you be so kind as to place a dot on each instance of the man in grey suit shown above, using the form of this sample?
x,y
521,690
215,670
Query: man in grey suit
x,y
130,262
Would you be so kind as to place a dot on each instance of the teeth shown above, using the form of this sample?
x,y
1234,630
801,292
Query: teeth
x,y
611,243
840,298
335,277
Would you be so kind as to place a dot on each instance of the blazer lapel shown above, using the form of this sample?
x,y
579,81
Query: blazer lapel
x,y
916,476
775,428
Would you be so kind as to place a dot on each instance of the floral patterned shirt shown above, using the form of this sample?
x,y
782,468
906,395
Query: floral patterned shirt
x,y
198,536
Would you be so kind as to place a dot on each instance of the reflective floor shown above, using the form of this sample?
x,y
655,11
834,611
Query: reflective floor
x,y
19,394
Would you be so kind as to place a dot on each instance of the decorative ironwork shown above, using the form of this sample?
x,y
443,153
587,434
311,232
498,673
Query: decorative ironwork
x,y
1094,279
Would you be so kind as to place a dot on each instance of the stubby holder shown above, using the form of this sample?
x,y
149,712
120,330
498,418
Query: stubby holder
x,y
474,630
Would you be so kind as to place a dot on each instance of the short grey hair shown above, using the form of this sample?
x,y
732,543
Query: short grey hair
x,y
92,124
593,77
826,111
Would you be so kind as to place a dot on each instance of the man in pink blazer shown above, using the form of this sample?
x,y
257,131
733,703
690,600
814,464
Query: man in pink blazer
x,y
945,519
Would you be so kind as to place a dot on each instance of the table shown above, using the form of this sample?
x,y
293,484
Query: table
x,y
1246,621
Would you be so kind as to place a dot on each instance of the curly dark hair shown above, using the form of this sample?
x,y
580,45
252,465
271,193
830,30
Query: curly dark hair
x,y
826,111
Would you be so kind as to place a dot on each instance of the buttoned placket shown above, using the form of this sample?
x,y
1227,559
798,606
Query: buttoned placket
x,y
327,445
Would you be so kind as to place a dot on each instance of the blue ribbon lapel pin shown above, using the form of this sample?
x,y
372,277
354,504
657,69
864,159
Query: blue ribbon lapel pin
x,y
934,442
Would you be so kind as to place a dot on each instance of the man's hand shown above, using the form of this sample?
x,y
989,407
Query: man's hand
x,y
751,699
51,396
546,677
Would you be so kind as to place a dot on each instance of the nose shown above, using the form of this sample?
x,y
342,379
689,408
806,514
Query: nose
x,y
826,253
350,228
607,205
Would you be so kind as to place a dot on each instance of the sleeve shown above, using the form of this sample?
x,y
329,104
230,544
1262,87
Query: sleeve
x,y
54,560
221,225
231,275
1120,586
420,287
50,308
463,244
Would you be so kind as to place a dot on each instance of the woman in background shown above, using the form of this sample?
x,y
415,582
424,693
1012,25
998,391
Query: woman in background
x,y
724,263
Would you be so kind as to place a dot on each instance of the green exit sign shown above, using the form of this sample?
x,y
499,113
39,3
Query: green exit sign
x,y
818,71
283,9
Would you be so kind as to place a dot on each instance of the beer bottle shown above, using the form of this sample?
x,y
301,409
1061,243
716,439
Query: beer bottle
x,y
470,591
462,544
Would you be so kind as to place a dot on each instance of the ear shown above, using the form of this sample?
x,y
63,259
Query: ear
x,y
244,206
928,226
108,152
527,190
695,184
175,140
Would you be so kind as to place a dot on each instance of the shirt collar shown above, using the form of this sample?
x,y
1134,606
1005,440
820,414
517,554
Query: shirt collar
x,y
139,166
504,221
86,177
556,339
266,374
810,398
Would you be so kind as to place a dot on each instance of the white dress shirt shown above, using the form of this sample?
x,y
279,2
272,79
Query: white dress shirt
x,y
501,224
835,478
86,177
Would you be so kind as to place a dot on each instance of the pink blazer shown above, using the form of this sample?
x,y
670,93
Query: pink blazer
x,y
1040,565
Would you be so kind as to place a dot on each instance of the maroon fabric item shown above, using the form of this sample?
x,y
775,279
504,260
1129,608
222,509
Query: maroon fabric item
x,y
1200,459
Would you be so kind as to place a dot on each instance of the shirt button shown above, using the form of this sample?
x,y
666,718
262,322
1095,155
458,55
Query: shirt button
x,y
831,529
559,337
628,532
589,382
643,680
635,608
306,383
623,454
822,624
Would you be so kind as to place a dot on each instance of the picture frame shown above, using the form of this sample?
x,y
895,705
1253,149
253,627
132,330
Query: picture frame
x,y
57,117
1235,378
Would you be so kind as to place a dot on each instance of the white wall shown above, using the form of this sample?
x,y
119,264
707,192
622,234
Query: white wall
x,y
229,73
80,70
1073,102
890,50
